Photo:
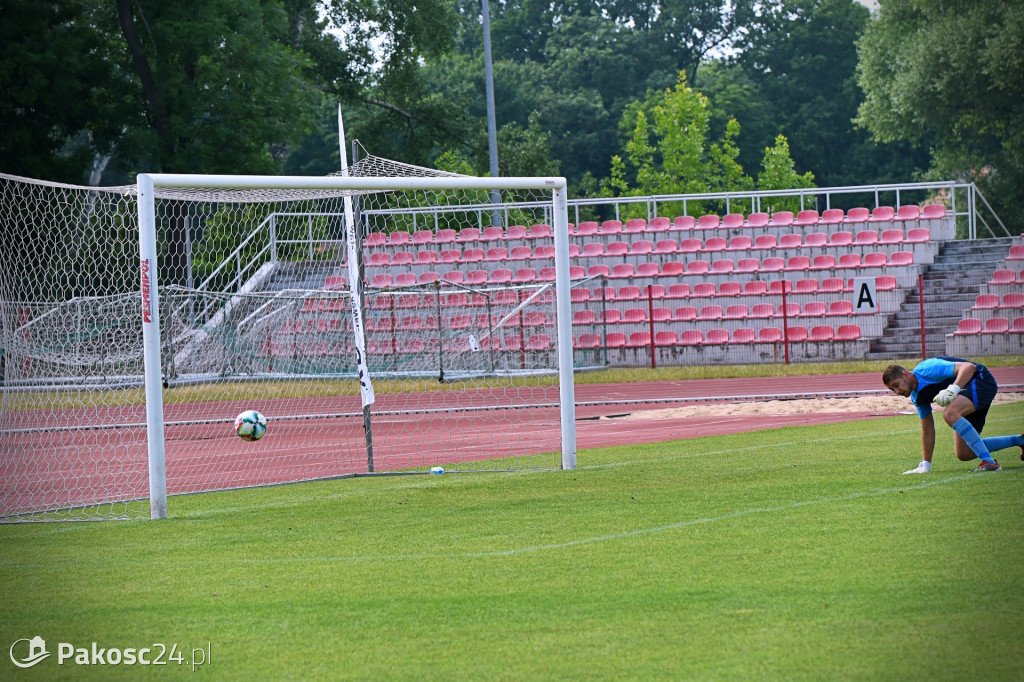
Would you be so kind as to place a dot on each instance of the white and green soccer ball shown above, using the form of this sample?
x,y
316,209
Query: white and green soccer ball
x,y
250,425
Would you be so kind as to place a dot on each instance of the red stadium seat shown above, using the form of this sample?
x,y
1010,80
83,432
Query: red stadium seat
x,y
540,231
875,260
832,216
641,247
450,256
628,293
891,237
666,246
743,335
885,283
769,335
866,238
717,336
622,271
375,239
748,265
659,224
781,219
1002,277
723,265
516,232
616,249
902,258
986,302
698,267
402,258
806,286
599,269
611,227
476,277
421,237
524,275
758,220
796,263
849,260
738,311
831,285
841,238
661,314
762,311
857,215
766,241
672,269
740,243
730,289
908,212
665,338
822,333
615,340
968,326
612,316
468,234
639,340
378,259
1016,252
772,264
691,337
715,244
711,312
918,235
732,221
686,313
684,222
587,228
647,270
882,214
816,239
708,222
587,341
500,276
1018,326
755,287
703,290
445,237
790,241
808,217
678,291
932,211
843,307
634,226
814,309
544,252
690,245
796,334
823,262
848,332
1013,300
996,325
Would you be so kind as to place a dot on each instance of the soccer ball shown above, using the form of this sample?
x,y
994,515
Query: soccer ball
x,y
250,425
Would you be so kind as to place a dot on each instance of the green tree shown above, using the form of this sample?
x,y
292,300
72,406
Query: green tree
x,y
778,171
952,73
669,152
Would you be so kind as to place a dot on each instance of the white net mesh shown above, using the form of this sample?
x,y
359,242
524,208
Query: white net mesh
x,y
254,308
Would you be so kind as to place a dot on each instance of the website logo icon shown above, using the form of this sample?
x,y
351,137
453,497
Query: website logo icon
x,y
36,652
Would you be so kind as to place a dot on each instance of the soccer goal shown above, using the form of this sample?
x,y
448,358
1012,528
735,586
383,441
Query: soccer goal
x,y
373,317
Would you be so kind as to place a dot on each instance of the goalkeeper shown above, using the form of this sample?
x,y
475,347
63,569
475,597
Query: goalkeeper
x,y
965,391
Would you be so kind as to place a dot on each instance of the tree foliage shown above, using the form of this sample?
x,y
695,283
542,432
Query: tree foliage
x,y
951,73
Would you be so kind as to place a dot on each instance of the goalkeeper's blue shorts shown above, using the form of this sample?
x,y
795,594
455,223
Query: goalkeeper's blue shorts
x,y
981,391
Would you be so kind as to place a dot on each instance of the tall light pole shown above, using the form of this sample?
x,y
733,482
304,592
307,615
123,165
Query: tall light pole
x,y
492,131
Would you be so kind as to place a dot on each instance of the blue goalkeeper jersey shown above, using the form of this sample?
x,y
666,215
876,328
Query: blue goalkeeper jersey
x,y
933,375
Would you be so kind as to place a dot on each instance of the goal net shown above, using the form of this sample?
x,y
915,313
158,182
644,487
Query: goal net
x,y
376,318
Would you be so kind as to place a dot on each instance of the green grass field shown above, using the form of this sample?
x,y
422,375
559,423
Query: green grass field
x,y
791,554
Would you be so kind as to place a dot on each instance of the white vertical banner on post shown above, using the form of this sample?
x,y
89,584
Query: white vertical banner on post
x,y
354,283
865,295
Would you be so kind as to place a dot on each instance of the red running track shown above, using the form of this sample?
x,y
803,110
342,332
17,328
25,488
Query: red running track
x,y
111,463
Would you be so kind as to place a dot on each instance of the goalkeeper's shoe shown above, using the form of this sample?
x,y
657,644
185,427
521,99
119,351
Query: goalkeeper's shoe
x,y
988,466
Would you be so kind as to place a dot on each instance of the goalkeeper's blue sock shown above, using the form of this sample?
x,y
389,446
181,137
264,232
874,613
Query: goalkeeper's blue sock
x,y
973,440
996,443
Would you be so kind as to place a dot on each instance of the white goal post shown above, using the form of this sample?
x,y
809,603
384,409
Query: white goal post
x,y
147,186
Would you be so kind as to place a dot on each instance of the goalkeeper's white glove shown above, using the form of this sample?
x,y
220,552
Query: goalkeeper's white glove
x,y
946,395
922,468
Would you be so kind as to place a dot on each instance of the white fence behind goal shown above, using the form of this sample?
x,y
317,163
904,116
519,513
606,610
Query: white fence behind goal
x,y
122,375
